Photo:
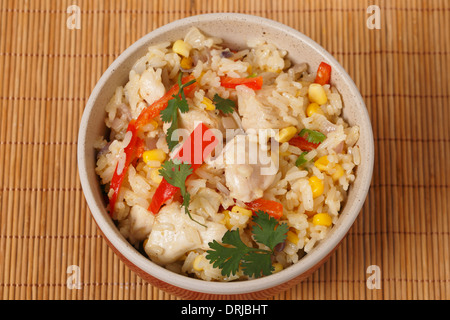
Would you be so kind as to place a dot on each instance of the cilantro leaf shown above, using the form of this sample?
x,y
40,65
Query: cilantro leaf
x,y
186,201
267,230
224,105
312,136
233,253
301,159
176,173
171,139
170,113
228,258
180,97
257,264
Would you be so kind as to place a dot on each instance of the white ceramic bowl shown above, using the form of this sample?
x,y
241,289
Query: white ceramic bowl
x,y
235,30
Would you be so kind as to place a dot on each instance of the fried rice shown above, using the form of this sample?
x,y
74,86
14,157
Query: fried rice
x,y
170,238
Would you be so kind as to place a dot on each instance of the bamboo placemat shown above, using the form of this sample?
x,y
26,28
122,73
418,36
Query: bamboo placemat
x,y
48,70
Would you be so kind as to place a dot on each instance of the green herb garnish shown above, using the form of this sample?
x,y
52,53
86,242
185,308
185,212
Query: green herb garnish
x,y
170,113
234,254
224,105
175,173
312,136
301,159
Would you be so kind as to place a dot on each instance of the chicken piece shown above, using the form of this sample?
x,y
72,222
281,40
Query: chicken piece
x,y
151,87
141,222
244,162
255,113
213,231
131,92
172,235
142,90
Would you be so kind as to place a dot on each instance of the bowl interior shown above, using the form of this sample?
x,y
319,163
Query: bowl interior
x,y
235,30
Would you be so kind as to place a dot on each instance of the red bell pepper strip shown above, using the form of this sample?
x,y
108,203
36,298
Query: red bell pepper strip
x,y
197,147
164,192
231,83
323,74
132,151
303,144
135,147
273,208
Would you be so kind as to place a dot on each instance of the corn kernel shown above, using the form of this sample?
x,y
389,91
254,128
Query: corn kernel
x,y
316,186
209,105
286,134
154,155
226,220
277,267
338,173
249,69
154,175
322,219
182,48
186,63
317,94
292,237
153,123
242,211
322,163
313,108
197,263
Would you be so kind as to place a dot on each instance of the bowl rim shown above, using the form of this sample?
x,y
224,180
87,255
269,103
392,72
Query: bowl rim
x,y
197,285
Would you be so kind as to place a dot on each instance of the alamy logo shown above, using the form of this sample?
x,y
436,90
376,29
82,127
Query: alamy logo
x,y
374,20
374,279
74,20
74,279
